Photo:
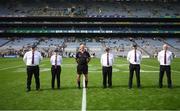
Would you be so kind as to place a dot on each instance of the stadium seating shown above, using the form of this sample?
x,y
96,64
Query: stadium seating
x,y
20,42
3,41
93,9
69,45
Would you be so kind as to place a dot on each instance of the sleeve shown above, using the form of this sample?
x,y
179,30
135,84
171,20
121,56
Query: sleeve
x,y
51,59
112,58
101,60
89,57
128,56
25,58
61,58
158,57
172,56
88,54
77,57
140,57
40,56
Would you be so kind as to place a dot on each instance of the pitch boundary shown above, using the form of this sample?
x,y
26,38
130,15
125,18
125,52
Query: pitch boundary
x,y
84,96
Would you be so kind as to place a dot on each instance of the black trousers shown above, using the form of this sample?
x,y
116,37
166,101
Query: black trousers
x,y
55,74
166,69
30,71
107,75
136,68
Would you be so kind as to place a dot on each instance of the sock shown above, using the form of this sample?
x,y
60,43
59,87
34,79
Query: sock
x,y
86,83
78,84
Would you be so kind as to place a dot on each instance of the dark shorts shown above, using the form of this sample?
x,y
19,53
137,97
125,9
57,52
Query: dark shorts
x,y
82,69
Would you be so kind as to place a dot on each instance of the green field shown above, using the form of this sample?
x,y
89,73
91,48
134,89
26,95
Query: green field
x,y
13,93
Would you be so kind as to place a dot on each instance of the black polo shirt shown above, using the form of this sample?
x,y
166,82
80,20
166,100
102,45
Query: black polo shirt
x,y
82,58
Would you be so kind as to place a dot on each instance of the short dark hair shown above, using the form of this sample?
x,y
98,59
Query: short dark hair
x,y
81,44
107,49
134,45
33,46
56,50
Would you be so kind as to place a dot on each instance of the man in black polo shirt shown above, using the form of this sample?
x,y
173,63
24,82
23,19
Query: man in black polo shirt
x,y
82,59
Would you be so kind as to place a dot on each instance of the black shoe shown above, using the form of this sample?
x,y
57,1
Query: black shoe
x,y
170,87
130,87
109,86
58,88
38,89
79,87
104,87
139,87
28,90
160,86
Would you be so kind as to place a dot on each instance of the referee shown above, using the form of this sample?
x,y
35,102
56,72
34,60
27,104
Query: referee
x,y
56,61
32,59
134,57
107,60
165,57
82,59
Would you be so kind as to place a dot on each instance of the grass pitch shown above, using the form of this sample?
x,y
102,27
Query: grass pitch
x,y
13,93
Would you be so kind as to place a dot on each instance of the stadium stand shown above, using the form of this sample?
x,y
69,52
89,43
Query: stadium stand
x,y
92,9
64,25
100,9
69,45
4,41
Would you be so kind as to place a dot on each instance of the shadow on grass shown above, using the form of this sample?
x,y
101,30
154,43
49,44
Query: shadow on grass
x,y
101,87
135,87
62,88
113,87
157,87
176,86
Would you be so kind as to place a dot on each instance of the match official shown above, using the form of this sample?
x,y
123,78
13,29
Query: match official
x,y
134,57
56,61
82,59
107,60
165,57
32,59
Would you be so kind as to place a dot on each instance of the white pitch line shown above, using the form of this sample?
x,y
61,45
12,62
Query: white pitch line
x,y
150,66
11,67
16,66
158,68
84,96
143,71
